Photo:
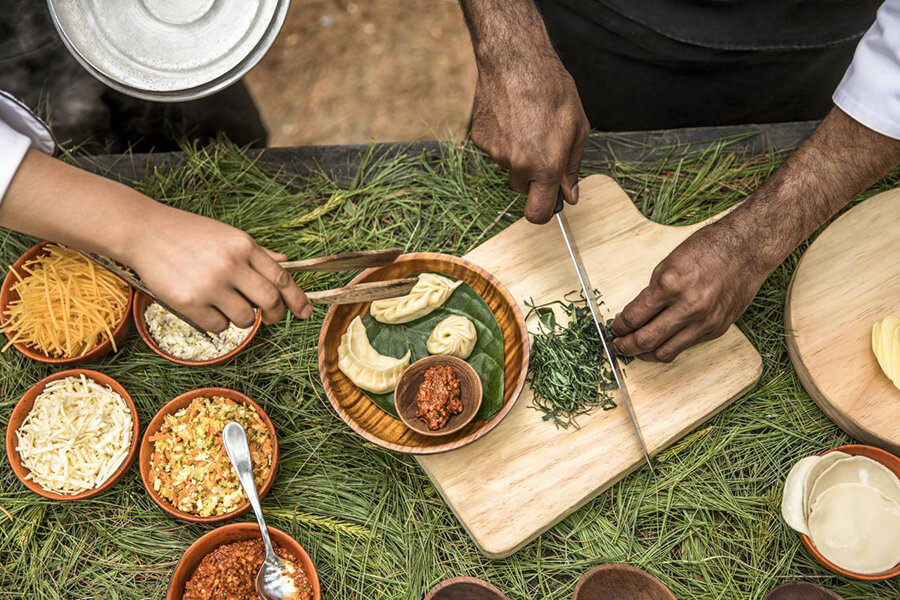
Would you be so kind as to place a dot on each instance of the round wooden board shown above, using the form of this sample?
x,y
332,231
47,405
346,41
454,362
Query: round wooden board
x,y
847,280
380,428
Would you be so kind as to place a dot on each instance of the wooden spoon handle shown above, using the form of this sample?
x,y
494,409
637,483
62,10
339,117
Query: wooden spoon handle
x,y
364,292
343,262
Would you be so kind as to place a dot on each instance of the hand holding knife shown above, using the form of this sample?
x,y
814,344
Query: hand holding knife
x,y
588,291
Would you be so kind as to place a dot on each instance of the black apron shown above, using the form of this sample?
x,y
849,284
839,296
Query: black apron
x,y
36,68
660,64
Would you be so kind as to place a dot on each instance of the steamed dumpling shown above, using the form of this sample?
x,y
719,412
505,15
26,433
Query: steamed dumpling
x,y
364,366
857,469
428,294
454,336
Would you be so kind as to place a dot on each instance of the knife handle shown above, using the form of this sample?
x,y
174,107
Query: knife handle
x,y
560,202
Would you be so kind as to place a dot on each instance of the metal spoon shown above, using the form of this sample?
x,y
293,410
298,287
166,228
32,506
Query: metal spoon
x,y
272,580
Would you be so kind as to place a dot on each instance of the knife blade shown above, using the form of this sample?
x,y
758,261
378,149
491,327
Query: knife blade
x,y
588,291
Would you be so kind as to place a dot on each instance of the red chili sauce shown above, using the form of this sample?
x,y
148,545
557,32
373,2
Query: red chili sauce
x,y
229,573
438,397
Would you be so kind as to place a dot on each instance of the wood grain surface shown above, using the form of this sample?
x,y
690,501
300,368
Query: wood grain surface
x,y
847,280
526,475
375,425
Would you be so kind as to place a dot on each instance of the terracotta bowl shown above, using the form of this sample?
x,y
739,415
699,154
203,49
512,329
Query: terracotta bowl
x,y
408,388
24,407
891,462
178,403
465,588
7,295
620,582
142,301
363,416
801,591
237,532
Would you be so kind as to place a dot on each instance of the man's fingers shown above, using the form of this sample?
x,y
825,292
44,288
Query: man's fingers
x,y
237,309
678,343
541,201
570,179
285,286
519,180
652,335
638,312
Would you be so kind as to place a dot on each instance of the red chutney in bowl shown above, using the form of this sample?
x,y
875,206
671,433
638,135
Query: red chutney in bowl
x,y
230,571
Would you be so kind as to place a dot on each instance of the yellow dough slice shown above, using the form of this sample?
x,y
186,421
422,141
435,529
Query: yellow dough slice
x,y
886,347
857,469
856,527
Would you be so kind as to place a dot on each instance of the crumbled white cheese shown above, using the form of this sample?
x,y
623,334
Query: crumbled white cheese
x,y
76,435
177,338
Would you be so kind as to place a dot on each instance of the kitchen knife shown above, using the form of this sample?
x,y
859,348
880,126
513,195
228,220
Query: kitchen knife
x,y
588,291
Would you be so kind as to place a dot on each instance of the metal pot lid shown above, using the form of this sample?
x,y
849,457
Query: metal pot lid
x,y
168,50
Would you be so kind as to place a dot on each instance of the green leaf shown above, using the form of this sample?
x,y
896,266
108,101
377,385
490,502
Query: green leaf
x,y
487,357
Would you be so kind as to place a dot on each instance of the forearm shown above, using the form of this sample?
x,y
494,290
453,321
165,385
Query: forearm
x,y
505,33
841,159
52,200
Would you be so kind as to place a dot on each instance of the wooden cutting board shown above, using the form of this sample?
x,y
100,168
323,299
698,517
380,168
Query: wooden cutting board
x,y
847,280
526,475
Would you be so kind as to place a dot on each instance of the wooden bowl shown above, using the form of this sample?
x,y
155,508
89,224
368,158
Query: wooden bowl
x,y
891,462
142,301
470,394
801,590
620,582
364,417
177,404
228,534
465,588
7,295
24,407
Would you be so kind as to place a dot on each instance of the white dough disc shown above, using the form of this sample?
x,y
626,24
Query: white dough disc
x,y
817,469
857,528
793,498
856,469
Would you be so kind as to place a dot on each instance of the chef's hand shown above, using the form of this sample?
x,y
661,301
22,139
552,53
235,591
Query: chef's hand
x,y
694,295
212,272
532,122
527,115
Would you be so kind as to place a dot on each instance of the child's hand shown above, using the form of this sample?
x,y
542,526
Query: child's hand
x,y
212,272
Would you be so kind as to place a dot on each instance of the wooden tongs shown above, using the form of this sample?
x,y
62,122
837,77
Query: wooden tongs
x,y
351,294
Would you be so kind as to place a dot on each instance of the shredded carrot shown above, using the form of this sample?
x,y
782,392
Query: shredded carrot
x,y
65,307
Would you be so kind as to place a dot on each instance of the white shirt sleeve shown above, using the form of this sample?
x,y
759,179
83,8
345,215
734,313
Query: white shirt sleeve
x,y
20,130
870,89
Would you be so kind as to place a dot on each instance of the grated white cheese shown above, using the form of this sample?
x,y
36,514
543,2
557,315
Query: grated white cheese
x,y
177,338
76,435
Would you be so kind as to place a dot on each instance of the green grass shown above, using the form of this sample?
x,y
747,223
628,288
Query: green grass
x,y
706,523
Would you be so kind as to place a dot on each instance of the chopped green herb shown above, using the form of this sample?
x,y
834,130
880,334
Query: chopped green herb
x,y
568,372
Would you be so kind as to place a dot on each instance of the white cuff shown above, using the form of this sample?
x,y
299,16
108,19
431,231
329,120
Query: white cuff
x,y
20,130
870,89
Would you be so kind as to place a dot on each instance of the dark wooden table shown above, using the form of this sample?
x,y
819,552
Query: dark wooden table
x,y
640,146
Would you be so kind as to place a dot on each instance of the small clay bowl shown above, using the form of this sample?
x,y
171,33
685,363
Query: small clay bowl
x,y
470,393
24,407
142,301
801,590
615,581
177,404
228,534
7,295
465,588
891,462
